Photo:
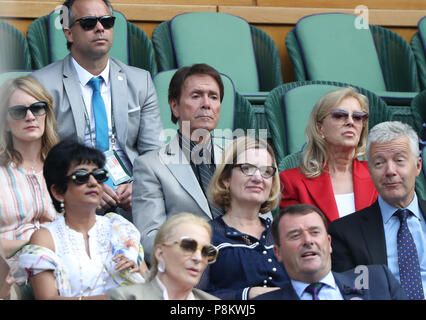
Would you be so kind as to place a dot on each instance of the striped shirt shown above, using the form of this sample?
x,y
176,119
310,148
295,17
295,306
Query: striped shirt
x,y
25,203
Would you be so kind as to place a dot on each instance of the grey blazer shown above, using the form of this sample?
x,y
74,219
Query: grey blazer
x,y
150,291
133,97
165,185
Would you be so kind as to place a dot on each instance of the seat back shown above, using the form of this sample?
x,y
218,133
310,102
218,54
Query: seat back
x,y
57,41
14,52
287,116
227,111
298,104
421,26
12,74
221,40
334,49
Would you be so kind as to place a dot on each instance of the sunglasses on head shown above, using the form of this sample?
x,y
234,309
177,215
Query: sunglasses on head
x,y
250,169
82,176
343,115
38,109
190,246
88,23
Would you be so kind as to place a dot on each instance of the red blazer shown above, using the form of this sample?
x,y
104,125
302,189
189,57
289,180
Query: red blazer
x,y
297,188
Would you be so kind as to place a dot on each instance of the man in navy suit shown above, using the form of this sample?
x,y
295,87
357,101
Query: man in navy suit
x,y
303,245
369,236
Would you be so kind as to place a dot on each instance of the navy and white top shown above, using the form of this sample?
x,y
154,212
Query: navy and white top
x,y
243,262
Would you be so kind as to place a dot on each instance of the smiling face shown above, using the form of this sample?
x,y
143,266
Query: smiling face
x,y
199,104
342,133
28,129
394,169
90,44
304,247
253,189
182,269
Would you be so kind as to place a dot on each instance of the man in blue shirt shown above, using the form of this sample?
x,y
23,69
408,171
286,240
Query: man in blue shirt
x,y
377,234
303,245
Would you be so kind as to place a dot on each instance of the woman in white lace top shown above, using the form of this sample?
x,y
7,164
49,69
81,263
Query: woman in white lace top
x,y
81,255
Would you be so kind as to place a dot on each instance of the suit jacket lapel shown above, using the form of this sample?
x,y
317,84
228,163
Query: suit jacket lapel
x,y
347,288
73,90
318,188
374,234
174,159
288,292
364,191
119,101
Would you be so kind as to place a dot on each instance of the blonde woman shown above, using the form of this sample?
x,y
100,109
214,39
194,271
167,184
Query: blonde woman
x,y
182,250
330,176
27,133
244,185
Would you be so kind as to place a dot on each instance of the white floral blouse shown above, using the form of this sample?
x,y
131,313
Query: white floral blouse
x,y
77,273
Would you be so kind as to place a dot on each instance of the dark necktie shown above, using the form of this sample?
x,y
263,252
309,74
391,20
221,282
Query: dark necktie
x,y
206,170
408,259
101,120
314,289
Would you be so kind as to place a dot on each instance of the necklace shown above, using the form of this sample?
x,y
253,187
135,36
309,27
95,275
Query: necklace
x,y
72,244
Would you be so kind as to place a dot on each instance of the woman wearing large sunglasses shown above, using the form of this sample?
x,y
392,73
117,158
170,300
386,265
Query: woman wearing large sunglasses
x,y
27,133
182,250
245,184
330,176
80,255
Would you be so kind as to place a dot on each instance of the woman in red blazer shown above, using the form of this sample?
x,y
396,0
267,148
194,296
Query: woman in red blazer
x,y
329,175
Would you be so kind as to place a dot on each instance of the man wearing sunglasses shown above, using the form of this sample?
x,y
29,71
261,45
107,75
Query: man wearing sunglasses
x,y
174,178
392,230
102,101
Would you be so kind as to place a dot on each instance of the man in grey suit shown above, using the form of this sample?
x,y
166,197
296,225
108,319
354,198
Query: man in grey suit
x,y
174,178
303,245
128,95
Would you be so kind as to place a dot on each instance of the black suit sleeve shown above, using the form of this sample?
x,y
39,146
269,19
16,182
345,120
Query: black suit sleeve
x,y
341,256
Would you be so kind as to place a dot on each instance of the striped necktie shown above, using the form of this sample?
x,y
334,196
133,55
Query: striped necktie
x,y
314,289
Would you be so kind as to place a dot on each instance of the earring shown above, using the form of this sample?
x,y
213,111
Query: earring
x,y
161,267
61,205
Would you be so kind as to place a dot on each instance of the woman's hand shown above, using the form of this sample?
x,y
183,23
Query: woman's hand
x,y
124,263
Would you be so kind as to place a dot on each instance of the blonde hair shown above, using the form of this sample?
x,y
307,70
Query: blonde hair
x,y
217,192
315,156
32,87
167,230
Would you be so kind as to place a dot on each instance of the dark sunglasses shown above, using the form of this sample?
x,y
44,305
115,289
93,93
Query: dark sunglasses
x,y
38,109
343,115
249,170
190,246
88,23
82,176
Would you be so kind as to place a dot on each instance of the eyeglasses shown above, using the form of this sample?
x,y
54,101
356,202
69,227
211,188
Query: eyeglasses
x,y
38,109
343,115
189,246
82,176
88,23
249,170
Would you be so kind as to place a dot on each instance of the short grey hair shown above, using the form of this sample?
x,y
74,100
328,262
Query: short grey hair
x,y
390,130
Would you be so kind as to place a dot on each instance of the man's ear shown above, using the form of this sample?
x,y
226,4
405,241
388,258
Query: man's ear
x,y
277,252
68,34
174,107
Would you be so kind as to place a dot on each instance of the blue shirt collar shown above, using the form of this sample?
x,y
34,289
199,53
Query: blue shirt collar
x,y
387,210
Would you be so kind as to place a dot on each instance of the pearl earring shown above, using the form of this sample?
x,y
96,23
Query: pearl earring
x,y
161,267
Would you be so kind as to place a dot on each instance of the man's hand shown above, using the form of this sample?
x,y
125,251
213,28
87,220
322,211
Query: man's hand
x,y
124,194
109,198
